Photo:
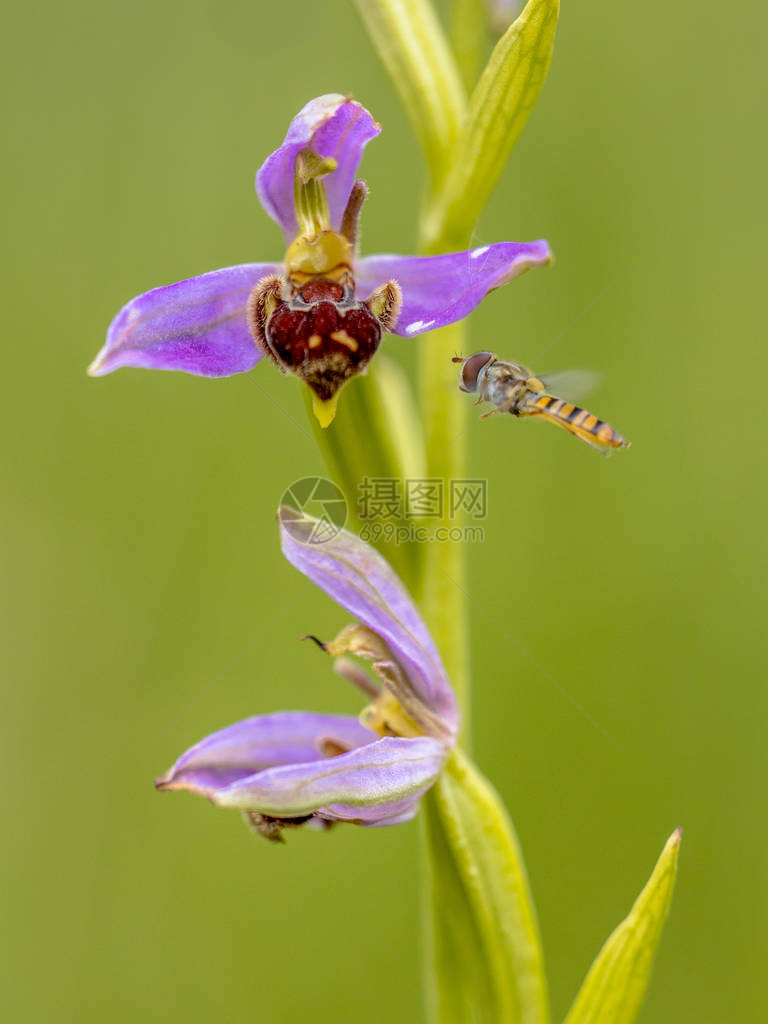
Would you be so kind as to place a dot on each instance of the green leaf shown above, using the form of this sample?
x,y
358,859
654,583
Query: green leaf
x,y
483,938
413,48
499,109
376,433
616,983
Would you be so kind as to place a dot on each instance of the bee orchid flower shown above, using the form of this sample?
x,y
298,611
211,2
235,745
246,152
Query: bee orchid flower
x,y
319,313
295,767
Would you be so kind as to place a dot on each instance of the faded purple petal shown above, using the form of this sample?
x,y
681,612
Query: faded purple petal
x,y
198,326
361,581
438,290
248,747
333,126
375,782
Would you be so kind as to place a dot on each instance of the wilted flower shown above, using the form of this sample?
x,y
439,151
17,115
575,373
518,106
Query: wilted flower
x,y
321,312
296,767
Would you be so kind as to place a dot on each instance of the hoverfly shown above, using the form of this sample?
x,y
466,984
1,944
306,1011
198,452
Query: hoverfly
x,y
514,389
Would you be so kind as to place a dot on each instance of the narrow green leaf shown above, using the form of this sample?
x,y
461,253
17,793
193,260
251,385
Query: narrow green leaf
x,y
614,988
469,36
484,942
376,434
499,109
413,48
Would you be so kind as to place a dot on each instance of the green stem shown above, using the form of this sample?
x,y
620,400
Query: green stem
x,y
484,959
444,419
416,53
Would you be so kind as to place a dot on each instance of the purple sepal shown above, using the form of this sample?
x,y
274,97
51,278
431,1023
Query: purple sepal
x,y
368,784
361,581
439,290
264,741
333,126
376,783
198,326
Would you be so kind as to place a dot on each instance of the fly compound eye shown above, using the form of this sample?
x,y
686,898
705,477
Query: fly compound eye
x,y
471,368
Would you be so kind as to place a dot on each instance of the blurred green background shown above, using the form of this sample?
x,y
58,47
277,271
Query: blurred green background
x,y
139,546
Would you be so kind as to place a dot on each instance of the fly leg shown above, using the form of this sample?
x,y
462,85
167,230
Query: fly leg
x,y
506,406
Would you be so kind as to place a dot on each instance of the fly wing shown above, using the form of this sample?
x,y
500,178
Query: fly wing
x,y
570,383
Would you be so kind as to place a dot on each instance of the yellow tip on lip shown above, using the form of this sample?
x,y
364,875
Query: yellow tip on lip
x,y
324,411
95,369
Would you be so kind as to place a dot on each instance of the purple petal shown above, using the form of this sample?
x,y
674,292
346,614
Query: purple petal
x,y
248,747
333,126
438,290
361,581
378,781
198,326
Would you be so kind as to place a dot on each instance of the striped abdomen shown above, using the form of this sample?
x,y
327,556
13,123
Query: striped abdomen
x,y
572,418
